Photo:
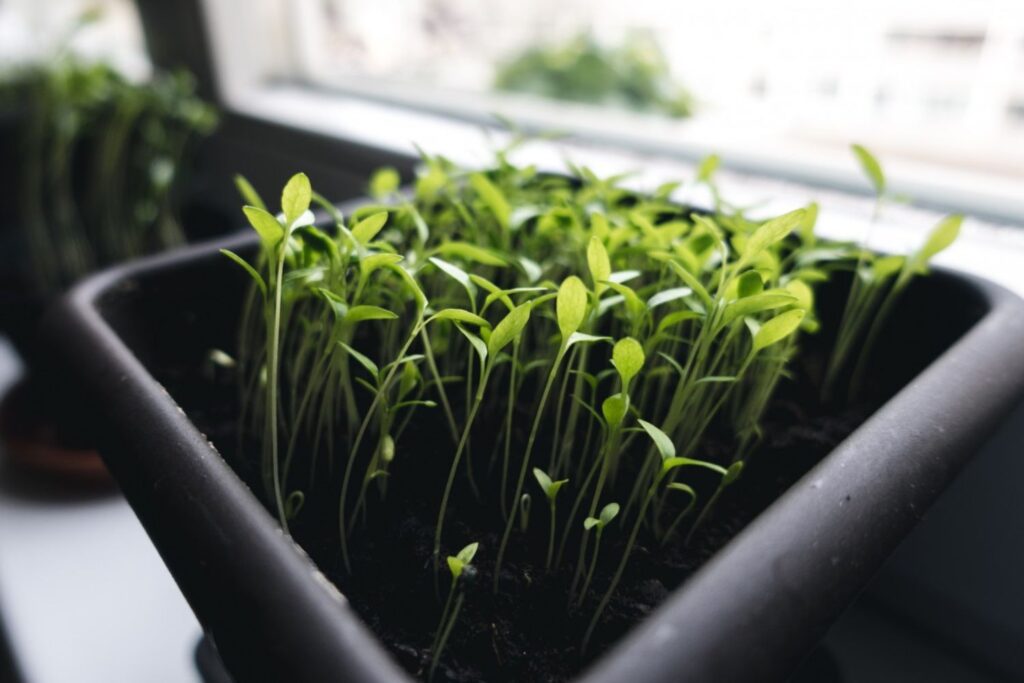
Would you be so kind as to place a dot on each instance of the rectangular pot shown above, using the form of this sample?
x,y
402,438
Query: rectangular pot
x,y
750,614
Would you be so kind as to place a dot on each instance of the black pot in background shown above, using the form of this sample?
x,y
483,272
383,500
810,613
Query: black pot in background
x,y
750,614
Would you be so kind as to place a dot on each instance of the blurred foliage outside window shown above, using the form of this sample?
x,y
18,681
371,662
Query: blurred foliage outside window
x,y
633,75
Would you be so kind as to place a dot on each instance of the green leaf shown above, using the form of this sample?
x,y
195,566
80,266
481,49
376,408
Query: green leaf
x,y
667,295
872,169
675,318
549,487
295,197
384,182
455,566
257,278
693,283
749,284
582,338
387,448
707,168
887,266
608,513
673,463
571,306
265,225
771,232
733,473
777,329
476,342
634,305
370,263
622,276
755,304
457,274
510,327
614,410
542,478
360,313
661,440
461,316
806,228
590,522
249,193
471,252
370,366
599,264
628,358
492,197
941,237
531,268
411,284
366,229
468,553
337,304
803,293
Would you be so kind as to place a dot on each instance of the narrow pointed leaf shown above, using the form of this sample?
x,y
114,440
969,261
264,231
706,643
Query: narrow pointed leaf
x,y
510,327
360,313
661,440
872,169
370,366
365,230
778,328
257,278
265,225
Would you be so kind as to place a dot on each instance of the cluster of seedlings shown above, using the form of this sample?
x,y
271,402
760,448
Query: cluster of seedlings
x,y
98,157
577,341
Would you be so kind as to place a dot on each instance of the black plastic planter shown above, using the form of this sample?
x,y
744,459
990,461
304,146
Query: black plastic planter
x,y
750,614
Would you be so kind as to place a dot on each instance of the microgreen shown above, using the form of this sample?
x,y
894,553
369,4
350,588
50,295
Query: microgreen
x,y
460,567
878,283
612,332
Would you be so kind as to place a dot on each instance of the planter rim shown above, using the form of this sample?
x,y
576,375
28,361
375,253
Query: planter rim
x,y
749,614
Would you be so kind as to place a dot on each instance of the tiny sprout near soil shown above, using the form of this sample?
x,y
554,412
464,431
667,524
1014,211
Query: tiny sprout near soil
x,y
459,566
523,322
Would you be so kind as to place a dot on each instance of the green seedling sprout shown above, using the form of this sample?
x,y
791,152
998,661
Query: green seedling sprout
x,y
608,513
571,311
551,489
669,463
460,567
878,282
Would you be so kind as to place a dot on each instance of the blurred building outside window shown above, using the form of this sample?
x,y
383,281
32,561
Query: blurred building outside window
x,y
934,87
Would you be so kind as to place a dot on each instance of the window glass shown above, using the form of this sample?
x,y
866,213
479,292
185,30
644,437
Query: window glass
x,y
935,82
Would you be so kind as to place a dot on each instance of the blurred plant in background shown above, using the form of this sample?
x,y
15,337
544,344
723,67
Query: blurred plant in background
x,y
633,75
95,159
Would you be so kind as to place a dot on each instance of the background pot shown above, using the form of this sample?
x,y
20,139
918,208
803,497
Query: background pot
x,y
750,614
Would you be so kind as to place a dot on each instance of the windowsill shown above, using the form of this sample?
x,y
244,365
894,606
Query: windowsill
x,y
992,244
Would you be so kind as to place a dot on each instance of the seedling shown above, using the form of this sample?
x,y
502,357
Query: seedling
x,y
475,312
608,513
878,283
460,567
551,489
